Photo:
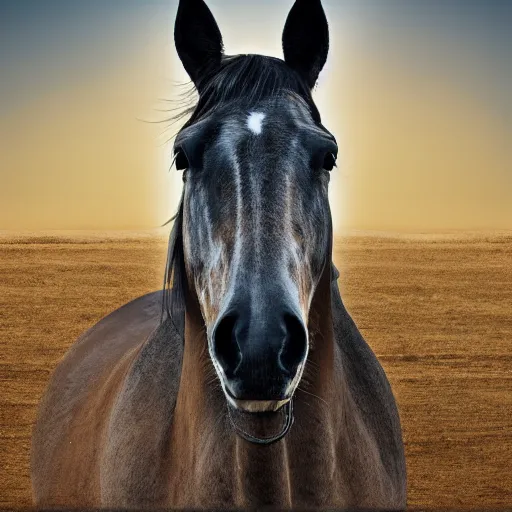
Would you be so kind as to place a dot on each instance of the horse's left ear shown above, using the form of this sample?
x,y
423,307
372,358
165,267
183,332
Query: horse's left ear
x,y
306,39
198,40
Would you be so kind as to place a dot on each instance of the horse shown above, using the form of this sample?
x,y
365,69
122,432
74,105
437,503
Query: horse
x,y
244,382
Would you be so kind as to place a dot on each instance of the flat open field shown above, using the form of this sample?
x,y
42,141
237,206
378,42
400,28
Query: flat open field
x,y
436,310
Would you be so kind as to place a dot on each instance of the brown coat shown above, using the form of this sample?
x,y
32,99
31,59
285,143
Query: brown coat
x,y
132,418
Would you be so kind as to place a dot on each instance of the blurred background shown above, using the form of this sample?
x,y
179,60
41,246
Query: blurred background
x,y
417,92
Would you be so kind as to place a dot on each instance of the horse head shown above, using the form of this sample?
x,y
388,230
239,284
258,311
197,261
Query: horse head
x,y
255,218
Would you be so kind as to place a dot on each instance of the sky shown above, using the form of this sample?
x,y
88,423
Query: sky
x,y
416,92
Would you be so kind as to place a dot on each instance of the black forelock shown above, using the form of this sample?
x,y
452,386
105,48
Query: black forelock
x,y
250,79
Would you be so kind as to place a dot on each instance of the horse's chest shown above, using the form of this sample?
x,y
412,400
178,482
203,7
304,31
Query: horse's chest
x,y
234,473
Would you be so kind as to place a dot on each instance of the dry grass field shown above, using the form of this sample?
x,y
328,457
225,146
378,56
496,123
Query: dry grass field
x,y
436,310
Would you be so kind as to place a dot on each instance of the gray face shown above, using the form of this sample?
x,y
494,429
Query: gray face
x,y
256,229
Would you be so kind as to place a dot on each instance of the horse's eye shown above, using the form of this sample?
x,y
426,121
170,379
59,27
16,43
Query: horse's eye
x,y
181,160
329,161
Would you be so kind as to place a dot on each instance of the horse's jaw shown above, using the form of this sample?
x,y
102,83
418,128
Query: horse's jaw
x,y
265,426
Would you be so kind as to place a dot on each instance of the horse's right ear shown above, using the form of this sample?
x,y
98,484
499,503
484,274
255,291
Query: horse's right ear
x,y
198,40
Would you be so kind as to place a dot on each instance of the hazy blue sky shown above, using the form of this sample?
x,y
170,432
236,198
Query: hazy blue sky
x,y
44,40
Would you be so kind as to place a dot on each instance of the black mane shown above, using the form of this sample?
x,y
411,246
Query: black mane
x,y
241,78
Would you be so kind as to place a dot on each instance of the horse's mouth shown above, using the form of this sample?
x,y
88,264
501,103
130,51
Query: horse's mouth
x,y
258,405
255,406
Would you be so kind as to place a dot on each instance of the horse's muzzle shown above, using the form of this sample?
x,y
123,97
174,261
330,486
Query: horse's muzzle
x,y
260,355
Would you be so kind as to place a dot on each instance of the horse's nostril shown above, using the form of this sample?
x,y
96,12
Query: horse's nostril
x,y
295,344
259,352
225,345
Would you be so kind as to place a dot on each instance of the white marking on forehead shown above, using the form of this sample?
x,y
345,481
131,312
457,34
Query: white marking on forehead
x,y
254,122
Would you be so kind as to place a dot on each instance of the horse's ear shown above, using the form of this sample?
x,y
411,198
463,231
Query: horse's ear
x,y
306,39
198,40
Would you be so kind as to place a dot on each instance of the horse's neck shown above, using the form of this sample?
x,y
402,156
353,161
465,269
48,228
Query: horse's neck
x,y
204,438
